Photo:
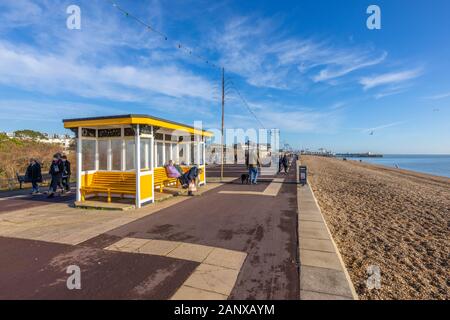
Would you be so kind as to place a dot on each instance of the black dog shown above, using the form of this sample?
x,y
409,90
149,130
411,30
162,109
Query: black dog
x,y
245,178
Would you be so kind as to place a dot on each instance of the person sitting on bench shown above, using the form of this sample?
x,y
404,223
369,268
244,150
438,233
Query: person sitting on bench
x,y
172,171
190,176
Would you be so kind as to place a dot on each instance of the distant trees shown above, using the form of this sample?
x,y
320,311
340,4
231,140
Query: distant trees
x,y
16,150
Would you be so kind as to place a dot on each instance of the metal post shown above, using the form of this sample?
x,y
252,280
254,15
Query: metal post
x,y
79,164
137,166
223,120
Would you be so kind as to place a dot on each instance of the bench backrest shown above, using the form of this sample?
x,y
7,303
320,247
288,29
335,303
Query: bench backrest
x,y
125,180
160,173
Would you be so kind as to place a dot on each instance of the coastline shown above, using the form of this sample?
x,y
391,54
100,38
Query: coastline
x,y
402,171
391,218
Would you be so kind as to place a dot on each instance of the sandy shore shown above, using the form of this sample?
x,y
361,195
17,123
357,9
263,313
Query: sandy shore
x,y
395,219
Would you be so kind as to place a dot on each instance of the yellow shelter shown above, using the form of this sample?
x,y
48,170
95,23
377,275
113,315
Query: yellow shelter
x,y
125,155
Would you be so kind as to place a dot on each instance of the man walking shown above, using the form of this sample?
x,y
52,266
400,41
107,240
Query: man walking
x,y
285,163
56,170
253,165
66,173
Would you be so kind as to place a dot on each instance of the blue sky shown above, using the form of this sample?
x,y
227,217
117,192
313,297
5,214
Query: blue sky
x,y
310,68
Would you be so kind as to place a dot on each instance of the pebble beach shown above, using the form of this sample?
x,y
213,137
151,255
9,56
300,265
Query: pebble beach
x,y
394,219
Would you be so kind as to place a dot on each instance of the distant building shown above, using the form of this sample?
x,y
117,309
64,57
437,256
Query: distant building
x,y
62,139
320,152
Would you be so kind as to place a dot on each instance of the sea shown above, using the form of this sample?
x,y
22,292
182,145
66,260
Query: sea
x,y
438,165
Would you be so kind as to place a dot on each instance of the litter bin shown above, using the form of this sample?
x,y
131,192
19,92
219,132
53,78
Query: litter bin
x,y
302,176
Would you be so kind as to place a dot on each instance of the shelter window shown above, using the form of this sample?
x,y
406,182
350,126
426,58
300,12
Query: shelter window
x,y
103,154
146,153
88,151
183,151
116,154
167,150
129,154
174,153
159,154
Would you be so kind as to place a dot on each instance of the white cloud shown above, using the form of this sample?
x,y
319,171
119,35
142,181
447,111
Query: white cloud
x,y
53,74
344,68
383,126
389,78
265,57
439,96
19,13
50,111
288,118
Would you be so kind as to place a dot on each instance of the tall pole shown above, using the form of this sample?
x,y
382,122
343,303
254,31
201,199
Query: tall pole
x,y
79,162
223,119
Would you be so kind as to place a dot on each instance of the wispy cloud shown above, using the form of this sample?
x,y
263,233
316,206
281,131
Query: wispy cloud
x,y
439,96
53,74
383,126
391,91
254,49
31,111
343,69
292,119
389,78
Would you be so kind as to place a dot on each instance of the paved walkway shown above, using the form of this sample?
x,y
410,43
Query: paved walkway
x,y
323,275
256,232
234,241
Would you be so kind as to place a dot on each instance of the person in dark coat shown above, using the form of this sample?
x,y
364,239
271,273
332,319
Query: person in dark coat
x,y
285,163
34,175
56,170
66,173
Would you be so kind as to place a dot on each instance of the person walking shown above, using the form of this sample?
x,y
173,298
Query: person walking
x,y
66,174
285,163
56,170
34,175
253,164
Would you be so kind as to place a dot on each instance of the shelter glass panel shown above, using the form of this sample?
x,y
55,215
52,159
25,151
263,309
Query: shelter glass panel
x,y
88,151
116,154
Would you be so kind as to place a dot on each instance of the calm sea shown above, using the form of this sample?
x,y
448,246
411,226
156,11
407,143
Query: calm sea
x,y
438,165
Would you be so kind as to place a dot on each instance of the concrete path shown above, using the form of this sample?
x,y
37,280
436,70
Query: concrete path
x,y
323,275
264,228
234,241
206,233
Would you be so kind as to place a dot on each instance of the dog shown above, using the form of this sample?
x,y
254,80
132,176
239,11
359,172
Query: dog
x,y
245,178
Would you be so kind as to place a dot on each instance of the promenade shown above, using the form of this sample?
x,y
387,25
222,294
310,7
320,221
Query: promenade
x,y
231,241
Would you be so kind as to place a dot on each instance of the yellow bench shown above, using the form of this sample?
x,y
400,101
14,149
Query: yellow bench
x,y
109,183
162,180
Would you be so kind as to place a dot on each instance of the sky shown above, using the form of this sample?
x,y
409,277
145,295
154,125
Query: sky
x,y
309,68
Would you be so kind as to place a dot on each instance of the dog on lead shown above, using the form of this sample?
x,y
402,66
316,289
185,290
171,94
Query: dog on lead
x,y
245,178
